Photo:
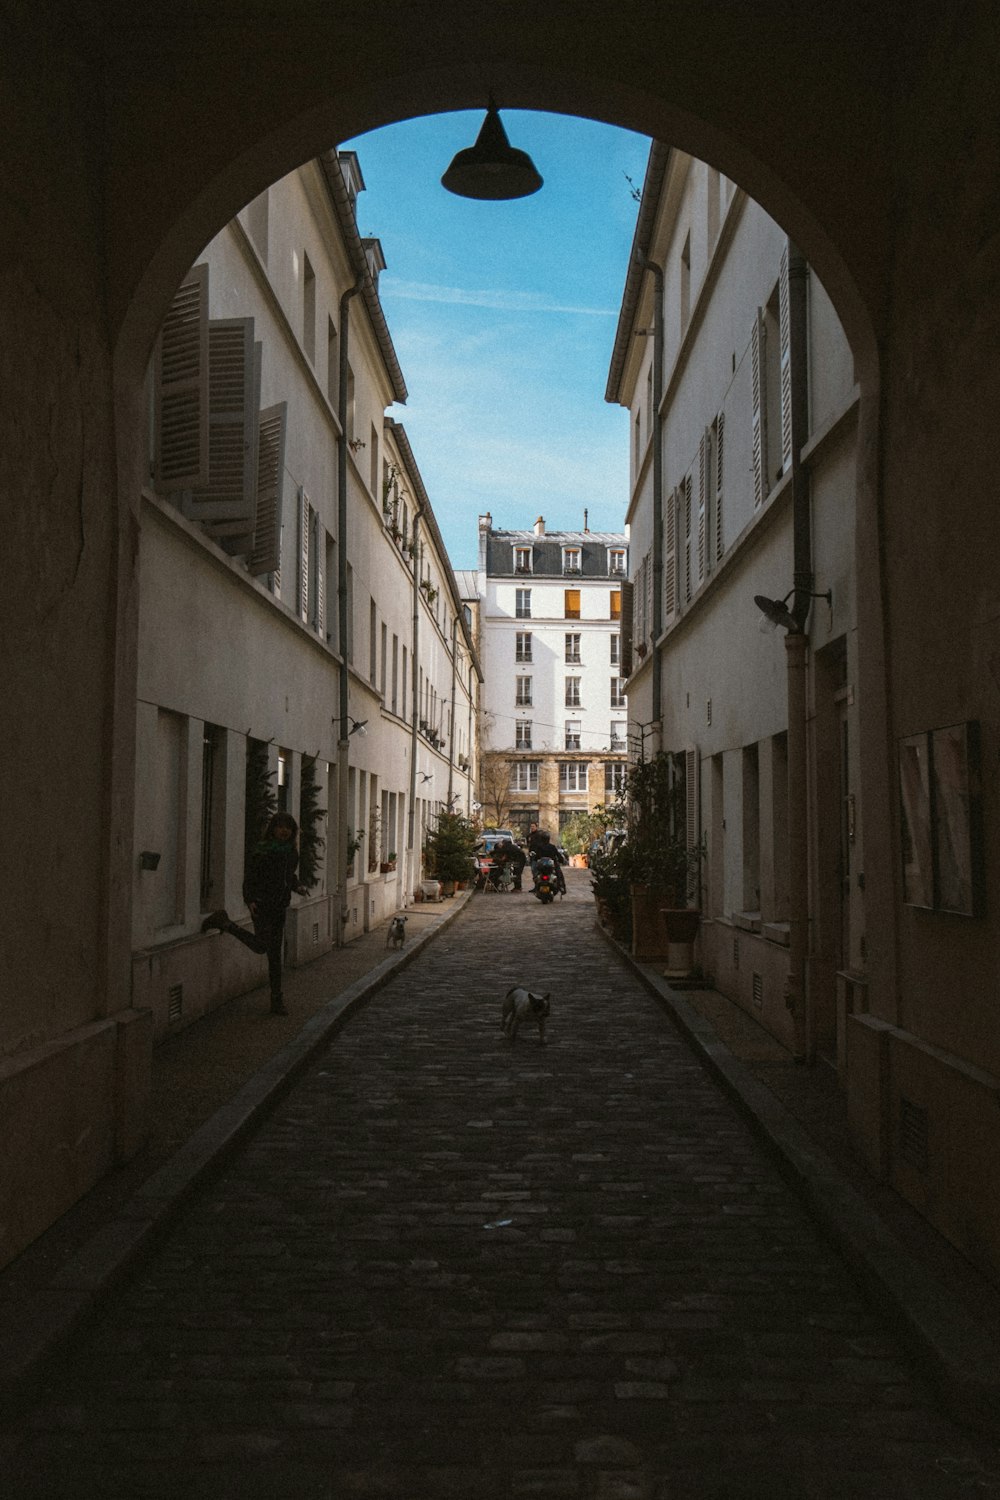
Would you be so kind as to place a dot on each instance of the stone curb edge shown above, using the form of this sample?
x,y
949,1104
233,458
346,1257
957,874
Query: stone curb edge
x,y
44,1322
957,1354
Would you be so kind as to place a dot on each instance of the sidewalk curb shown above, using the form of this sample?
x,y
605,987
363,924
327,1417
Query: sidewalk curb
x,y
44,1322
960,1358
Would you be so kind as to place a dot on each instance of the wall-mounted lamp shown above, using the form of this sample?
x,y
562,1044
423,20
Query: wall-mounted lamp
x,y
492,169
426,776
776,611
358,726
148,860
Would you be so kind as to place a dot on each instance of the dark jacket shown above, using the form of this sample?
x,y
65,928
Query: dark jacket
x,y
546,850
507,852
270,875
534,839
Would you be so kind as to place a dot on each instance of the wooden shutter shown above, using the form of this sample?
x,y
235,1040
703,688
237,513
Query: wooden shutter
x,y
786,364
704,456
720,430
626,628
670,558
180,458
230,494
759,419
266,555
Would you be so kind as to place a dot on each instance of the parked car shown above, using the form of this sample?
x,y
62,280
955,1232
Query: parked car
x,y
491,836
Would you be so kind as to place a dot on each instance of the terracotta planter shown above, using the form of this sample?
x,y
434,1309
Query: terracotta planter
x,y
649,938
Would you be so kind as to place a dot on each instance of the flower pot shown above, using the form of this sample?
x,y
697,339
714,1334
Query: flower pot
x,y
649,938
681,927
431,890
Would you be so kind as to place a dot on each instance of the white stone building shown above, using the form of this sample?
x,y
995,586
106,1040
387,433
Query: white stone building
x,y
740,385
554,696
297,600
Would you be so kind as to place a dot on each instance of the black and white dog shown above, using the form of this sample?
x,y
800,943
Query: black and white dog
x,y
397,932
521,1005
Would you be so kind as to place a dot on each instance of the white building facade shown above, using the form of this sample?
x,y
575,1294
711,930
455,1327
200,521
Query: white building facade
x,y
554,695
740,386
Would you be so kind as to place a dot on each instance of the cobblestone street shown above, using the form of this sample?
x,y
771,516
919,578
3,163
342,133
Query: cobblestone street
x,y
448,1266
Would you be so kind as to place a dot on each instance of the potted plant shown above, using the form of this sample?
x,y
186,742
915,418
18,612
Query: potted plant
x,y
656,859
449,850
612,894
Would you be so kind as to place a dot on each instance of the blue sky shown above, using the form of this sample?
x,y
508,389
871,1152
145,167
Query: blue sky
x,y
503,316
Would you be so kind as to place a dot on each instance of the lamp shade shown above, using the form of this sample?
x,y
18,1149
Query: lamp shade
x,y
492,168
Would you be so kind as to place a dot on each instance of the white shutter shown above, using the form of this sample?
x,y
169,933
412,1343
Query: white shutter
x,y
180,458
786,364
647,596
319,550
720,429
302,598
230,494
759,418
704,455
626,628
688,536
266,556
670,558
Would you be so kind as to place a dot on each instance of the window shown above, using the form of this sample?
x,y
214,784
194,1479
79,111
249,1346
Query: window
x,y
522,649
522,606
284,779
308,310
573,776
383,661
524,776
522,559
686,283
617,741
573,648
213,810
617,693
614,776
616,560
616,604
372,642
571,559
522,734
523,692
572,604
616,650
572,692
572,734
395,673
332,362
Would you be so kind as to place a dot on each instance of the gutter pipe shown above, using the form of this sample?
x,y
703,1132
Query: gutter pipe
x,y
343,742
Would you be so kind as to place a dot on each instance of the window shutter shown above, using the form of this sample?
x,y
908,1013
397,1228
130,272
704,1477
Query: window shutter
x,y
647,597
759,419
670,558
720,429
704,454
688,487
626,627
180,458
786,364
302,598
319,545
230,494
266,555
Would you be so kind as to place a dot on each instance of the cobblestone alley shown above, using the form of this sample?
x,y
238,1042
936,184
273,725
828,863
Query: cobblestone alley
x,y
451,1267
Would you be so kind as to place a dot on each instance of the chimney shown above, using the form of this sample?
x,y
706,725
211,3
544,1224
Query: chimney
x,y
585,515
540,526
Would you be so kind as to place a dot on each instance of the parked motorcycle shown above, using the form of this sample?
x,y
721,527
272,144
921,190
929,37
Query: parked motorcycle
x,y
546,880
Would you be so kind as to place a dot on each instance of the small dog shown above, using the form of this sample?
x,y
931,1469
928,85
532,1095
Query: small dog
x,y
521,1005
397,932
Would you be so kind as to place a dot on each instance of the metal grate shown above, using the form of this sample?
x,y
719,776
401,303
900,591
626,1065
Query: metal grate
x,y
913,1134
175,1003
758,991
315,932
736,952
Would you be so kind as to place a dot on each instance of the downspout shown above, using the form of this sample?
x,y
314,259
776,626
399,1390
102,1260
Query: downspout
x,y
797,996
343,742
451,731
473,759
414,701
656,706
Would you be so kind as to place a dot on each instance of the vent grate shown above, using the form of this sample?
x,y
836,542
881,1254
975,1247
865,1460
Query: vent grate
x,y
315,932
175,1003
913,1132
758,991
736,952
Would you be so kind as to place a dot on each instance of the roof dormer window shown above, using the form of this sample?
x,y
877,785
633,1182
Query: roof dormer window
x,y
571,559
522,559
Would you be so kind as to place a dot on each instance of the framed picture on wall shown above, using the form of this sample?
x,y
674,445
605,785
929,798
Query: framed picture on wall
x,y
941,819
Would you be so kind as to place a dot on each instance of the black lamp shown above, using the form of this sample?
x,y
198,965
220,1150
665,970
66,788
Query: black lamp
x,y
492,168
776,611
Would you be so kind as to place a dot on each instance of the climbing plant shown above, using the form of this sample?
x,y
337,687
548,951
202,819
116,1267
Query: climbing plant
x,y
260,802
312,842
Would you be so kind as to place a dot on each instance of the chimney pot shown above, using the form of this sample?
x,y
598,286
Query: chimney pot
x,y
540,526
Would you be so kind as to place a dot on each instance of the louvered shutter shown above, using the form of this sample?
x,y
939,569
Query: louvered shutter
x,y
692,812
230,494
266,555
302,596
720,431
688,536
626,628
704,454
670,559
786,364
180,458
759,419
319,544
647,597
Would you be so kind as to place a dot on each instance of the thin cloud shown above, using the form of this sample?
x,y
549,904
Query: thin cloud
x,y
496,301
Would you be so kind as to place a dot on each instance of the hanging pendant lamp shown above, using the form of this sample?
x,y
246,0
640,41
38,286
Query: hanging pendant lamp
x,y
492,168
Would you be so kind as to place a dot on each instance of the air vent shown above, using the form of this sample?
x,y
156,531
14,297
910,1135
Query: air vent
x,y
315,932
175,1003
758,991
913,1134
708,711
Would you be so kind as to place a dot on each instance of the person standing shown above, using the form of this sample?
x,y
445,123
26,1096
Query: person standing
x,y
536,837
268,883
507,853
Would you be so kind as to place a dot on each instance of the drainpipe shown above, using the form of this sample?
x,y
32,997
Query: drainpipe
x,y
343,742
797,996
473,760
414,700
454,684
656,710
